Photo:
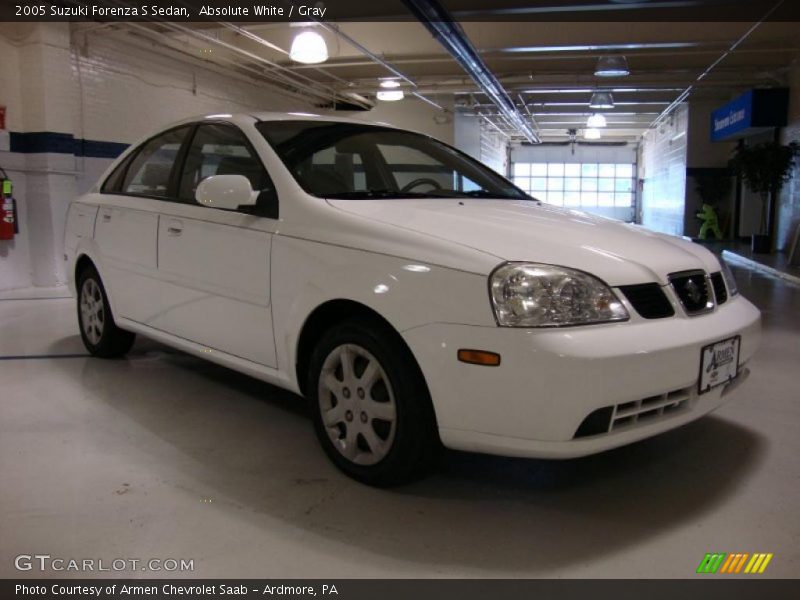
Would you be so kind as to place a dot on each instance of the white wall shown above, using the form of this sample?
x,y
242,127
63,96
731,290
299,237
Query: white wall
x,y
412,113
103,87
480,140
662,166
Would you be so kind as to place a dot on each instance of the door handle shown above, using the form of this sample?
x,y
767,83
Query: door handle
x,y
174,227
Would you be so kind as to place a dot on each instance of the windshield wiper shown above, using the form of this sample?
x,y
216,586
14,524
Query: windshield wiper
x,y
488,194
374,194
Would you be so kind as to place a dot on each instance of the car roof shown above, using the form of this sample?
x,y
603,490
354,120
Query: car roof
x,y
257,116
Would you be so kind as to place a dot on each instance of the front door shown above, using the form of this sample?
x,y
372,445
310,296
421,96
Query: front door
x,y
214,264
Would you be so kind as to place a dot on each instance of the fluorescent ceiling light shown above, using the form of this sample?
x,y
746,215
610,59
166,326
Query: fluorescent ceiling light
x,y
601,100
309,48
591,134
390,84
390,95
596,121
612,66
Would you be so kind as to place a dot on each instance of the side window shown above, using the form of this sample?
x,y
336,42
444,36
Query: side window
x,y
149,172
221,150
114,181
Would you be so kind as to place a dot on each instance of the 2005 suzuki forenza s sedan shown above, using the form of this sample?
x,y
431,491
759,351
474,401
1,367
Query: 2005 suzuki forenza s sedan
x,y
414,296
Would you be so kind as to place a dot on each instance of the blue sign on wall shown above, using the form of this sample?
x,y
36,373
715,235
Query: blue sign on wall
x,y
750,113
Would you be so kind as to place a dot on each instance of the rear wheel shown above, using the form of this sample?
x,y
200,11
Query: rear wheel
x,y
371,407
99,332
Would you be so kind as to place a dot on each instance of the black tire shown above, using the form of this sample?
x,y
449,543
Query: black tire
x,y
101,336
414,445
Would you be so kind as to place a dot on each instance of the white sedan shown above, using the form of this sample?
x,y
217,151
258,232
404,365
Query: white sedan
x,y
414,296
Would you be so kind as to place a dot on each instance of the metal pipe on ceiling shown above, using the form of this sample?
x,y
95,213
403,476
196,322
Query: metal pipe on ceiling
x,y
687,92
283,74
452,37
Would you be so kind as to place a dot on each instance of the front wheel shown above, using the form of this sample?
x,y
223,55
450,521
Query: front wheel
x,y
372,411
99,332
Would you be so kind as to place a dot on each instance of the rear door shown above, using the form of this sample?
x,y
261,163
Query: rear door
x,y
126,227
214,264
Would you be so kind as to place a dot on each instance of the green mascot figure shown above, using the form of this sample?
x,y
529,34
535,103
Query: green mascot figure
x,y
708,217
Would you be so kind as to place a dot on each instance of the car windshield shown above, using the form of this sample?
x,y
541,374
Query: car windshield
x,y
332,159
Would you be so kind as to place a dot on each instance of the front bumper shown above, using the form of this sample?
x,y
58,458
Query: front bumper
x,y
550,381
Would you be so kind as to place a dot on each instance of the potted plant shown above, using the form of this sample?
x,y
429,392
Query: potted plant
x,y
765,168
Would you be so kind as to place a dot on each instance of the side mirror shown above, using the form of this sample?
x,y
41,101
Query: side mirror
x,y
225,191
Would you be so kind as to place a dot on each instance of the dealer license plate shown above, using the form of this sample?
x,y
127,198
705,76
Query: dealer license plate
x,y
719,363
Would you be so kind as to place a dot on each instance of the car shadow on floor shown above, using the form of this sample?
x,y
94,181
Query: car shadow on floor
x,y
252,446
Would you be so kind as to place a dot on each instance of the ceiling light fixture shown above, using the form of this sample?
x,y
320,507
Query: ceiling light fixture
x,y
591,134
612,66
596,121
390,95
309,48
601,100
390,84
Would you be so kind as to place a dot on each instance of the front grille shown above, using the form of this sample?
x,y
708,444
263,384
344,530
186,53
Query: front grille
x,y
637,412
649,300
693,291
720,293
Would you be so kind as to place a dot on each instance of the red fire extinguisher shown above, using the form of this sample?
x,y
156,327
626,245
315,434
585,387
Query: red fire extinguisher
x,y
8,211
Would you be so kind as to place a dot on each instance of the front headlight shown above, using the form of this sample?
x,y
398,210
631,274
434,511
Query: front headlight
x,y
533,295
727,275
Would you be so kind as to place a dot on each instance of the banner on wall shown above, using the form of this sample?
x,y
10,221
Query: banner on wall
x,y
752,112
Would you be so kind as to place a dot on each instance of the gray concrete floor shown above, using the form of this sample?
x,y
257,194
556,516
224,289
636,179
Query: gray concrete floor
x,y
163,455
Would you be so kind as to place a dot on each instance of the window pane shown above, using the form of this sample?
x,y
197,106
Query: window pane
x,y
623,199
523,182
605,199
625,171
589,170
572,170
149,172
572,198
607,170
572,184
555,183
220,150
623,185
589,199
538,170
556,198
539,183
555,170
606,184
522,169
589,185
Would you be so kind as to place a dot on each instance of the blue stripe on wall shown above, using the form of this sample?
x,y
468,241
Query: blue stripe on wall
x,y
63,143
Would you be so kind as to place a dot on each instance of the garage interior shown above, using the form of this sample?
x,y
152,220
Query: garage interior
x,y
162,454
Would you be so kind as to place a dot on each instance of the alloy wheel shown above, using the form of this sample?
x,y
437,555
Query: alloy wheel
x,y
357,405
92,311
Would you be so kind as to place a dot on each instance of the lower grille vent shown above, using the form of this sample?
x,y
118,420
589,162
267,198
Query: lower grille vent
x,y
648,409
638,412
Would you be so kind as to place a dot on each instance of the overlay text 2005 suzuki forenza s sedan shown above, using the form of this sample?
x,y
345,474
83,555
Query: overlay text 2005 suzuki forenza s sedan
x,y
414,296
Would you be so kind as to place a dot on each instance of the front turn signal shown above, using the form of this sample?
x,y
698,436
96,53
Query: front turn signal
x,y
479,357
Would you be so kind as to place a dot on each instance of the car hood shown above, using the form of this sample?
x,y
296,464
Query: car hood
x,y
519,230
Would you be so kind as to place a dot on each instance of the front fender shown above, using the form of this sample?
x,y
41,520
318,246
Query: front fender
x,y
307,274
